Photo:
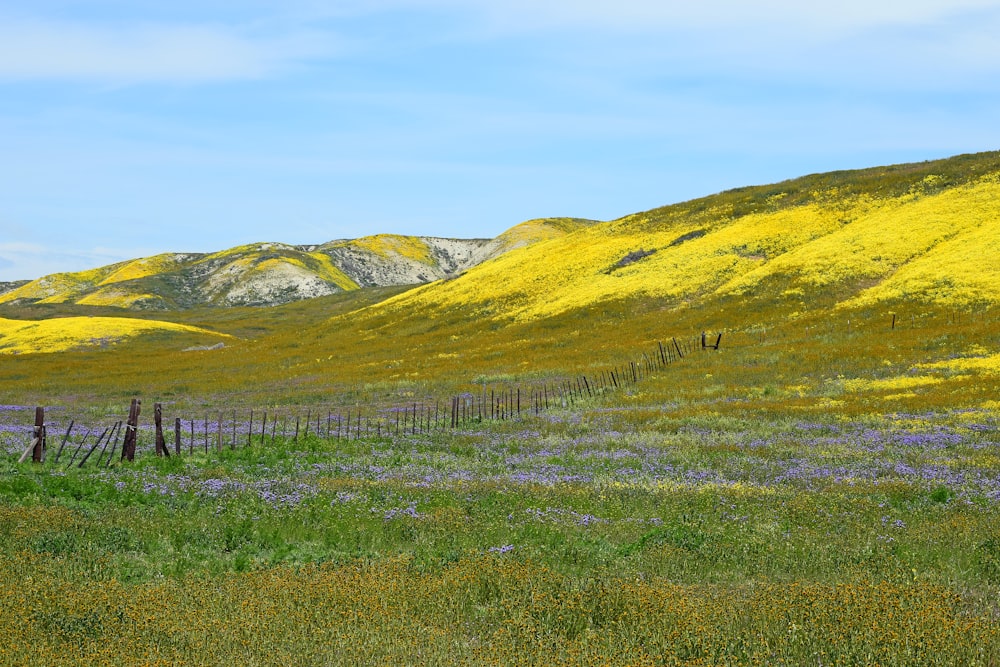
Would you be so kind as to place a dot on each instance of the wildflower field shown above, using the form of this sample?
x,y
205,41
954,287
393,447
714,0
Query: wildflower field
x,y
751,505
823,489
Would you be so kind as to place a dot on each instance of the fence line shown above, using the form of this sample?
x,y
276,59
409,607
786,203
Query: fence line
x,y
497,404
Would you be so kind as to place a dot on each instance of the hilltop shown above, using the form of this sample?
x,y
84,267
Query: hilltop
x,y
269,274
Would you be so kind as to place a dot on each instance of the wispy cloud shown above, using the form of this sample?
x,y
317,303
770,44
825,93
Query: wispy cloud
x,y
23,261
644,15
32,49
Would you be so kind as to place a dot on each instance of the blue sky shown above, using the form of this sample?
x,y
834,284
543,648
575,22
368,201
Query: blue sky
x,y
129,128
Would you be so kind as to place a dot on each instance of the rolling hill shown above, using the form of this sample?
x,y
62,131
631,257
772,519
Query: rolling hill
x,y
64,334
925,233
268,274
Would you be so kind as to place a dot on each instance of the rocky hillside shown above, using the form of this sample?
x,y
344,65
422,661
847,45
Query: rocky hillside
x,y
263,274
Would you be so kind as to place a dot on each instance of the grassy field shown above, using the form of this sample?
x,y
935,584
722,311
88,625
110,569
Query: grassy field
x,y
824,489
808,494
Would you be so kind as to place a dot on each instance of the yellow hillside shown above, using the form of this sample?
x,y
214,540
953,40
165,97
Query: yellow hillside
x,y
67,333
62,287
146,266
928,244
386,245
541,229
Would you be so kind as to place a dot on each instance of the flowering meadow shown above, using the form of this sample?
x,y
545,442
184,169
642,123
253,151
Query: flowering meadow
x,y
606,533
822,489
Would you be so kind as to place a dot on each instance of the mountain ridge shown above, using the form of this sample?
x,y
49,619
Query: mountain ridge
x,y
273,273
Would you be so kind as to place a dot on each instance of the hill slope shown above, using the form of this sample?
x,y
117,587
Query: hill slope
x,y
70,333
928,233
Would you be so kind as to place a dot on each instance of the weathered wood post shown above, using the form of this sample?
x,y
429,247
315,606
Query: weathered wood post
x,y
161,443
38,453
177,436
131,431
33,448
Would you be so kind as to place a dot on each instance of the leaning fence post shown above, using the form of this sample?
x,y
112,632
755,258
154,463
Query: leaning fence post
x,y
78,447
91,451
63,443
113,439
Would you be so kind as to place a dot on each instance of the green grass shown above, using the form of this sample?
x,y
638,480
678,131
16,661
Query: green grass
x,y
524,541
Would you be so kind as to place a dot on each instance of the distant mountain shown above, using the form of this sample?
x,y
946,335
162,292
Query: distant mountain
x,y
264,274
11,285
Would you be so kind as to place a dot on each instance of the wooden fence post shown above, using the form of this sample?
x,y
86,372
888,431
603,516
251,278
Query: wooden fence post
x,y
161,444
131,430
177,436
38,453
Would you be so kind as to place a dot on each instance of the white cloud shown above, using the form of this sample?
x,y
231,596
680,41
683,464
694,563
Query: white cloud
x,y
145,52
